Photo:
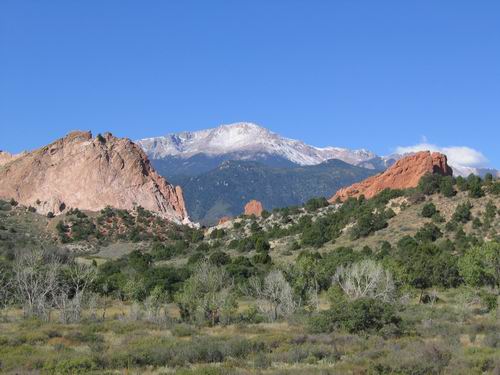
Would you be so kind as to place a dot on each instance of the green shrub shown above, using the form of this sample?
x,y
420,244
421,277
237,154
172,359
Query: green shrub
x,y
370,222
71,366
246,244
429,210
34,337
495,188
461,183
262,245
252,316
160,251
476,223
446,187
314,235
451,226
261,258
262,361
489,300
219,258
462,213
197,235
85,337
480,265
241,268
314,204
195,258
173,353
183,330
361,315
424,264
217,234
475,186
429,183
255,227
438,218
428,233
415,359
433,183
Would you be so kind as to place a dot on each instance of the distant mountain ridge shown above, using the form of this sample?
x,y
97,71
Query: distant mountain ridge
x,y
249,142
224,190
190,153
178,166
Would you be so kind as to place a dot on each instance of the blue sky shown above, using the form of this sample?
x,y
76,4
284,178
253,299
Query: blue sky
x,y
372,74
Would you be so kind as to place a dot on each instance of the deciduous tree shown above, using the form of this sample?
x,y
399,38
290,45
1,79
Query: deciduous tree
x,y
365,279
274,295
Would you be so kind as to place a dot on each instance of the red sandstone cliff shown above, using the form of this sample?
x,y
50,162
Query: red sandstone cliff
x,y
254,208
404,174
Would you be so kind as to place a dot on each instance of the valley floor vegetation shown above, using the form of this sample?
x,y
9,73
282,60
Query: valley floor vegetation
x,y
318,289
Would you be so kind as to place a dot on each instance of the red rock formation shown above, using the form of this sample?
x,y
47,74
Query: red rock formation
x,y
254,208
224,219
89,173
404,174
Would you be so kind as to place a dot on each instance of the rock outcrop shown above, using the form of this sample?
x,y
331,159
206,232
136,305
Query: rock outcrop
x,y
6,157
404,174
89,173
254,208
224,219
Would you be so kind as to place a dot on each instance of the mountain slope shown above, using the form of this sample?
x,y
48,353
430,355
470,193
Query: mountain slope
x,y
225,190
248,141
174,167
80,171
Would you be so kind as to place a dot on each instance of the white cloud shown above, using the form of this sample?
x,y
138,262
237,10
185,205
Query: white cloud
x,y
457,155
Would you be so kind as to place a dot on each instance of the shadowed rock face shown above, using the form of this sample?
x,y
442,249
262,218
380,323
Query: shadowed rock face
x,y
404,174
254,208
89,173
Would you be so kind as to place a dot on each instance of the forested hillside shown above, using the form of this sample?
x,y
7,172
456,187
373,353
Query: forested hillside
x,y
224,190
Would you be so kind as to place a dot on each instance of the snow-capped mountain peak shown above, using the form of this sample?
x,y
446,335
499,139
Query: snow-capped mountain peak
x,y
246,138
249,141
